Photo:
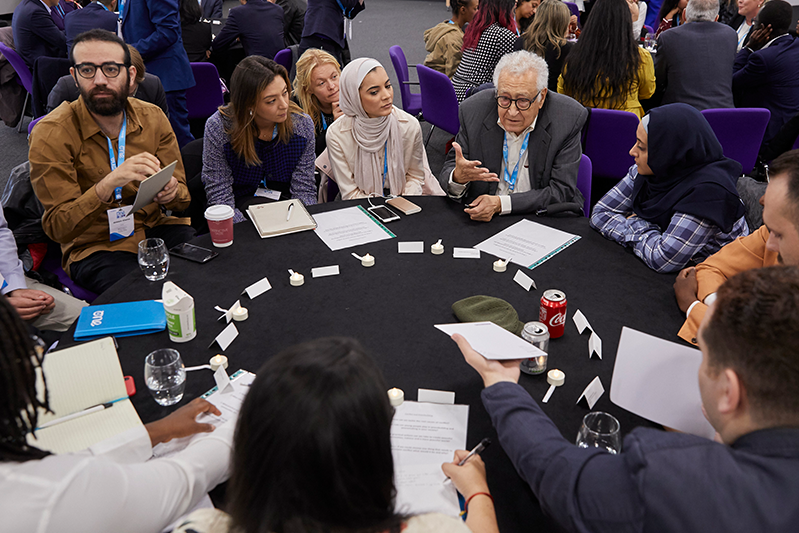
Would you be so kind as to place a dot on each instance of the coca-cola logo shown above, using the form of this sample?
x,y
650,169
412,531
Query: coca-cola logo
x,y
558,320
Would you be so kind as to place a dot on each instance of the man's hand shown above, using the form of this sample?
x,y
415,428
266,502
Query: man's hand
x,y
30,303
470,478
168,193
491,371
337,112
759,37
136,168
686,288
484,208
466,171
182,422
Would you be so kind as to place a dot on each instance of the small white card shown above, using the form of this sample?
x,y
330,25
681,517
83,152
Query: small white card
x,y
267,193
465,253
258,288
229,313
435,396
222,380
581,322
525,281
120,222
594,345
592,392
413,247
320,272
227,336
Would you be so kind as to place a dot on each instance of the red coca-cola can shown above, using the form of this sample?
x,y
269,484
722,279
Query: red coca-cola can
x,y
553,312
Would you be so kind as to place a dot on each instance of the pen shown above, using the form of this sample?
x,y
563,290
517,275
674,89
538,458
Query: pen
x,y
288,214
477,449
88,411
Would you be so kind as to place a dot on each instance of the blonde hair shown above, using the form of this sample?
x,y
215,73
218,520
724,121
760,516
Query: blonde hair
x,y
303,92
549,25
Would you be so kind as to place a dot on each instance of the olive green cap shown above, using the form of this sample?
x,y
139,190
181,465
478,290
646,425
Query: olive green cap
x,y
488,308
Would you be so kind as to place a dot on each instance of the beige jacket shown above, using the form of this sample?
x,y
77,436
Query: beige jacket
x,y
445,43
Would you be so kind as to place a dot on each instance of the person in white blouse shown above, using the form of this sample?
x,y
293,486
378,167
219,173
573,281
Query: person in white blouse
x,y
109,487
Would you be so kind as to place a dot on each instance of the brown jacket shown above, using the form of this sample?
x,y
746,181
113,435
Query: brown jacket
x,y
444,42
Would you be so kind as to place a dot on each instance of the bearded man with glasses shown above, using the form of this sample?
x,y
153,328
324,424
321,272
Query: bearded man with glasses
x,y
518,148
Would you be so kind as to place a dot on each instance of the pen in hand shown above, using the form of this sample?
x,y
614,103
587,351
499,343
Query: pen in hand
x,y
477,449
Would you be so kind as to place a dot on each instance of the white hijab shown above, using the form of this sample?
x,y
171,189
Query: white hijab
x,y
371,134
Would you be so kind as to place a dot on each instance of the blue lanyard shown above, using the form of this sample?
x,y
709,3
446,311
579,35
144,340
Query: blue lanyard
x,y
324,122
60,10
116,161
385,163
101,5
511,178
121,8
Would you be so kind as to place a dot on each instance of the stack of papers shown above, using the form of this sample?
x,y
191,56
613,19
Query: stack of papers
x,y
352,226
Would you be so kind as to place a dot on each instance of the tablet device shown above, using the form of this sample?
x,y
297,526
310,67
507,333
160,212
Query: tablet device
x,y
149,188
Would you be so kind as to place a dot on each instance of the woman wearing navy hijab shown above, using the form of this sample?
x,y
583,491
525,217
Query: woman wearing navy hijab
x,y
678,204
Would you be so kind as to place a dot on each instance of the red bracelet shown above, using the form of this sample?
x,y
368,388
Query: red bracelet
x,y
466,505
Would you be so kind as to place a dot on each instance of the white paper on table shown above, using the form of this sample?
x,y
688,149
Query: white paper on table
x,y
421,489
428,433
321,272
492,341
465,253
435,396
229,313
592,392
657,380
524,280
227,336
258,288
581,322
594,345
222,381
348,227
527,243
411,247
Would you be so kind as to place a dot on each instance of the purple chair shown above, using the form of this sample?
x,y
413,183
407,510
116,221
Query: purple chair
x,y
23,73
411,103
439,103
607,138
52,263
648,29
32,124
584,183
574,9
284,58
740,132
205,97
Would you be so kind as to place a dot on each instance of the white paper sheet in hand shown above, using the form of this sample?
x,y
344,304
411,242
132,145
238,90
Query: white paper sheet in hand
x,y
492,341
657,380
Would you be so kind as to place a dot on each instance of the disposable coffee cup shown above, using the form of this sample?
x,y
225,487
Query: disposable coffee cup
x,y
220,222
179,310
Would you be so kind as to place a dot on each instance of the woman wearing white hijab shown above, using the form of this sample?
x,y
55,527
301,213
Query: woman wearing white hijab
x,y
375,149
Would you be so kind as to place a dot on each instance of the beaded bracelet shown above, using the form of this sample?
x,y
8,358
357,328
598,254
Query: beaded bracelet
x,y
466,505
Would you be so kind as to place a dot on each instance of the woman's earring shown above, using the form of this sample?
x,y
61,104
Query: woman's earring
x,y
250,112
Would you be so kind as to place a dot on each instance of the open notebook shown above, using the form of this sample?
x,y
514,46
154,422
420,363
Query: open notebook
x,y
270,219
78,378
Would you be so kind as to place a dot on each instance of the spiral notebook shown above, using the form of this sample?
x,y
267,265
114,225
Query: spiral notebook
x,y
271,219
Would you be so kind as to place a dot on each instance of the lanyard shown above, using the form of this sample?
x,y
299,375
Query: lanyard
x,y
511,178
116,161
101,5
324,122
60,10
121,8
385,163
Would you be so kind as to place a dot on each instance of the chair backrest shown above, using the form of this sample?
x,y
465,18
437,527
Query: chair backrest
x,y
584,183
609,135
46,73
205,97
439,103
284,58
32,123
52,263
573,8
401,68
740,132
648,29
24,73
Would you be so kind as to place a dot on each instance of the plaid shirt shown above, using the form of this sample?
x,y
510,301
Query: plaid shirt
x,y
687,237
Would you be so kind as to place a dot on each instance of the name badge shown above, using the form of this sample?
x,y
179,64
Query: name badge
x,y
120,222
3,282
267,193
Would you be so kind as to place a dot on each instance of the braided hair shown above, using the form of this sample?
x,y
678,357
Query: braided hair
x,y
20,362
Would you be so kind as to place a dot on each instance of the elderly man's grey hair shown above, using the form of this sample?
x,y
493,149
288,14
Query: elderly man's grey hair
x,y
518,63
701,10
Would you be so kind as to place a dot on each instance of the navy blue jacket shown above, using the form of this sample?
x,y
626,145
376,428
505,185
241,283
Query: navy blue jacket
x,y
90,17
661,481
35,33
259,26
326,18
769,78
212,9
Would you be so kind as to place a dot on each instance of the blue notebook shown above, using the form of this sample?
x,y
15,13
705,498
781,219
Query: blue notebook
x,y
121,320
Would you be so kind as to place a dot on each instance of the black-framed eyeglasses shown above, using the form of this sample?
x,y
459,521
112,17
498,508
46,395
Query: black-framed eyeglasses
x,y
89,70
522,104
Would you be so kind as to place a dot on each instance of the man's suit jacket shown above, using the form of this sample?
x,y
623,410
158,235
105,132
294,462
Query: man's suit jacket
x,y
259,26
212,9
553,153
769,78
325,18
694,64
90,17
293,20
35,33
153,28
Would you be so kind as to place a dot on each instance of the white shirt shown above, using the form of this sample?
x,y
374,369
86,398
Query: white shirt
x,y
111,487
742,30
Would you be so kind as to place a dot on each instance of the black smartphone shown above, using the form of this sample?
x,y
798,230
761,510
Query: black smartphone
x,y
193,253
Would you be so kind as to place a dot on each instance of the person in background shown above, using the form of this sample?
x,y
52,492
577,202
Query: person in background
x,y
638,13
35,33
257,24
728,9
489,37
196,35
336,474
97,14
324,26
606,68
211,9
260,144
316,88
671,15
444,41
678,203
546,38
525,13
743,22
293,20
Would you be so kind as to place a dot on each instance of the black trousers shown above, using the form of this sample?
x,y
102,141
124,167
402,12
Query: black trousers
x,y
102,269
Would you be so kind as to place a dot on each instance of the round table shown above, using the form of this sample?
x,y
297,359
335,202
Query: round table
x,y
392,307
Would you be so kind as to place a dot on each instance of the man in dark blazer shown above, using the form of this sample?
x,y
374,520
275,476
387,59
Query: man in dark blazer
x,y
35,33
518,148
766,71
293,20
693,64
98,14
258,24
212,9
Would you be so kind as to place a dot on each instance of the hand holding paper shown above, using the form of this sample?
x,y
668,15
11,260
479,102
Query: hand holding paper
x,y
491,371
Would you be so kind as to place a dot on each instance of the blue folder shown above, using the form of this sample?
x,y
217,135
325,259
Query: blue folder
x,y
122,320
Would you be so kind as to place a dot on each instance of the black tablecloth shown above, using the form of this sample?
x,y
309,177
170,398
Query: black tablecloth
x,y
392,307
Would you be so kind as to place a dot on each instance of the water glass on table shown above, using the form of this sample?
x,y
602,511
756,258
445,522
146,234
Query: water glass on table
x,y
650,42
165,376
153,259
600,430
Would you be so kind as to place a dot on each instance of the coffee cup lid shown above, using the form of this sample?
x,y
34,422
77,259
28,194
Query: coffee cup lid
x,y
219,212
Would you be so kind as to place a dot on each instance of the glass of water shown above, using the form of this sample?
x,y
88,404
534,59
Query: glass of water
x,y
650,42
165,376
153,259
600,430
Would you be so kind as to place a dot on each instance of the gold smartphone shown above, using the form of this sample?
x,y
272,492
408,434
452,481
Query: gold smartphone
x,y
405,206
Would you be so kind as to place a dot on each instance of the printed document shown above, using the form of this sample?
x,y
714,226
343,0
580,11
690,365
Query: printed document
x,y
492,341
528,244
352,226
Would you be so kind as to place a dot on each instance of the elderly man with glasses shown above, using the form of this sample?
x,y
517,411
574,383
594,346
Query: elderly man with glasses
x,y
87,159
518,149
